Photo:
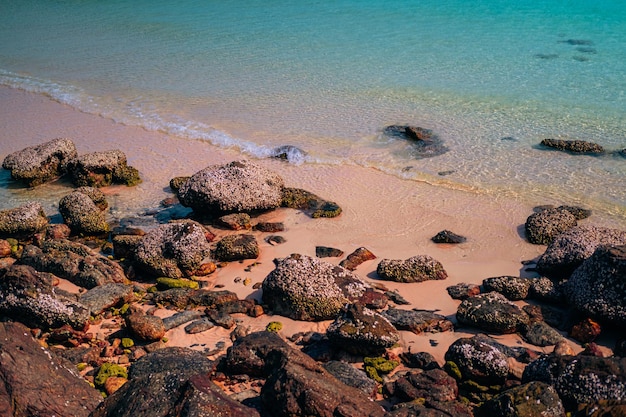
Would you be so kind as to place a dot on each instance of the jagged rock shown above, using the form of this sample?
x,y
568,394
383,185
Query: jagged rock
x,y
478,361
597,287
106,296
580,379
146,327
240,186
568,251
463,290
446,236
573,146
297,385
528,400
415,269
417,321
23,221
326,252
431,385
362,331
542,227
173,250
356,258
315,206
305,288
81,213
101,169
29,297
74,262
236,247
236,221
426,143
352,377
492,312
36,382
513,288
541,334
36,165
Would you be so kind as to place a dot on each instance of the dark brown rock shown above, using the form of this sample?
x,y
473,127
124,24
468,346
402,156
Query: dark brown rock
x,y
415,269
236,247
542,227
446,236
310,203
269,227
417,321
528,400
326,252
36,382
432,385
573,146
356,258
492,312
585,331
463,290
352,377
236,221
513,288
248,354
145,327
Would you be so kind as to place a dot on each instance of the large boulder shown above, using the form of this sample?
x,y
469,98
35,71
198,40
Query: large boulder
x,y
478,361
415,269
598,286
580,379
528,400
23,221
362,331
29,297
542,227
173,250
81,214
36,382
75,262
240,186
101,169
568,250
305,288
492,312
36,165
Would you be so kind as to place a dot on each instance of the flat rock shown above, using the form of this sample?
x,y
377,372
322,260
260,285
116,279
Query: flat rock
x,y
180,318
352,377
542,227
23,221
310,203
463,290
305,288
417,321
106,296
492,312
101,169
568,251
326,252
36,382
356,258
38,164
240,186
415,269
173,250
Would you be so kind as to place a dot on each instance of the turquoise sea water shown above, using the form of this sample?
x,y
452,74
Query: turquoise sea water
x,y
490,78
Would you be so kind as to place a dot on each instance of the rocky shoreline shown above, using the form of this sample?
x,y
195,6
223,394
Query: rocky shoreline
x,y
110,332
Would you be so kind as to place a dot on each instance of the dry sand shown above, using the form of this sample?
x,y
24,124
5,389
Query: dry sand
x,y
391,217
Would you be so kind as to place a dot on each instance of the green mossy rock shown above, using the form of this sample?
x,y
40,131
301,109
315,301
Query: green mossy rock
x,y
165,283
108,370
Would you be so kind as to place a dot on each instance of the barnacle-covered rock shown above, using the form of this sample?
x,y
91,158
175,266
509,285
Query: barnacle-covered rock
x,y
492,312
23,221
305,288
478,361
415,269
101,169
513,288
82,211
542,227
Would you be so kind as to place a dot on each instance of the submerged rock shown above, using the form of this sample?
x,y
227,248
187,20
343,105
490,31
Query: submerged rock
x,y
36,165
573,146
425,143
240,186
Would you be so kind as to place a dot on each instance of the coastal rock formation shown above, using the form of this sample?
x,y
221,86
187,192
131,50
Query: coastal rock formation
x,y
305,288
36,382
573,146
478,361
531,399
97,299
568,251
240,186
356,258
80,211
426,143
29,297
463,290
541,334
542,227
433,385
513,288
74,262
101,169
36,165
417,321
236,247
597,287
580,379
492,312
23,221
315,206
362,331
415,269
352,377
173,250
446,236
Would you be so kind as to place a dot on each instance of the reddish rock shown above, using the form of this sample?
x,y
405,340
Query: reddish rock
x,y
356,258
205,269
585,331
146,327
58,231
5,248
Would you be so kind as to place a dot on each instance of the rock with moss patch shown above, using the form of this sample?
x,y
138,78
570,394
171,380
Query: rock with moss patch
x,y
415,269
23,222
305,288
108,370
240,186
236,247
492,312
38,164
173,250
81,210
101,169
165,283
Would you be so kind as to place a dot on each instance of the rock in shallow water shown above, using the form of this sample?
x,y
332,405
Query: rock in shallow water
x,y
23,221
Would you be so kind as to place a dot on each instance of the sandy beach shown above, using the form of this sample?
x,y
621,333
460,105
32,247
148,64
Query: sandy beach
x,y
393,218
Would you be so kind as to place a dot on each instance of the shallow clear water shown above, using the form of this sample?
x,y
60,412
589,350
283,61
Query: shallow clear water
x,y
490,79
